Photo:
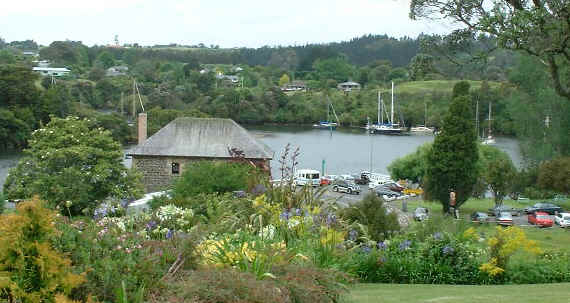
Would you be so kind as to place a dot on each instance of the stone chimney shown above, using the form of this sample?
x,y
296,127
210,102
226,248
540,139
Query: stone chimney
x,y
142,128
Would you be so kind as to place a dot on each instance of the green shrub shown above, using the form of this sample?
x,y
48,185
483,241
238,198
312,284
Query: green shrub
x,y
370,211
212,177
549,268
30,269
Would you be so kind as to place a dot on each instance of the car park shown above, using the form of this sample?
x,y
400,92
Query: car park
x,y
549,208
328,179
421,214
345,187
479,217
505,219
562,219
541,219
504,208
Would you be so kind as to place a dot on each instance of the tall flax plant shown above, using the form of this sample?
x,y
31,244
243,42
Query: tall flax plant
x,y
285,192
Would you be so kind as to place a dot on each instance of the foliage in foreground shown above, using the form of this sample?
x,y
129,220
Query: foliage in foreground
x,y
30,269
289,284
73,165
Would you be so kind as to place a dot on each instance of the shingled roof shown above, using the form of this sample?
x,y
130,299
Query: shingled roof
x,y
202,137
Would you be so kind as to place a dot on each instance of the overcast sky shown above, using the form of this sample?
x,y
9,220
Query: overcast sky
x,y
237,23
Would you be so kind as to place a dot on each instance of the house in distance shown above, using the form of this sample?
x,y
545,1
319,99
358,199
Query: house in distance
x,y
172,150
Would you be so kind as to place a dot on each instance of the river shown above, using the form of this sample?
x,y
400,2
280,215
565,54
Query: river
x,y
343,150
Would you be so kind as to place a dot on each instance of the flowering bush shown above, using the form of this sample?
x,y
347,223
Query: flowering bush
x,y
503,245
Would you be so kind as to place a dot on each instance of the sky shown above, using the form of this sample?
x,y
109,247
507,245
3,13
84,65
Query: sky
x,y
238,23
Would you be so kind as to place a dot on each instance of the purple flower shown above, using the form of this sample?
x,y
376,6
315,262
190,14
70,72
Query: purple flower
x,y
259,189
352,235
405,245
438,236
285,215
381,245
124,203
169,234
331,219
150,225
365,249
298,211
448,250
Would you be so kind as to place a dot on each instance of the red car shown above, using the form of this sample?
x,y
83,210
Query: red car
x,y
541,219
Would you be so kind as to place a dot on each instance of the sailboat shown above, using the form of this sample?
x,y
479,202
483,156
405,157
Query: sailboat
x,y
423,128
327,124
389,128
490,139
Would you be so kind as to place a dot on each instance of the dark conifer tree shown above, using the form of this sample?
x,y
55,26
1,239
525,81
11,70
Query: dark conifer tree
x,y
452,163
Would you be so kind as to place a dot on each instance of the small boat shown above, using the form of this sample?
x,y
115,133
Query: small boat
x,y
389,128
325,124
422,129
490,140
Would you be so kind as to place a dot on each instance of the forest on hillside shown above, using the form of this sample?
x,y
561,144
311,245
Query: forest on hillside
x,y
175,81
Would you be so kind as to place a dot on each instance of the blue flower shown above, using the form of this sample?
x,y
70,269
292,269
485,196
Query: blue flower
x,y
448,250
331,219
438,236
169,234
365,249
298,211
124,203
381,245
405,244
285,215
352,235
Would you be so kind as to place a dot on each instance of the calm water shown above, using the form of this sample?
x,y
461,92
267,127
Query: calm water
x,y
349,150
343,150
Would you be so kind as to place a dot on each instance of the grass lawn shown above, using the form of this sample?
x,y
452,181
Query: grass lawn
x,y
363,293
554,238
444,86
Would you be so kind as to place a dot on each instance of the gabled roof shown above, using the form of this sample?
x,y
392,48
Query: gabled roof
x,y
202,137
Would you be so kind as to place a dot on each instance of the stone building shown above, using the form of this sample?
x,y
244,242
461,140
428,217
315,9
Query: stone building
x,y
171,151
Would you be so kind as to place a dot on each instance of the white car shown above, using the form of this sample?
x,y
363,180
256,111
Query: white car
x,y
562,219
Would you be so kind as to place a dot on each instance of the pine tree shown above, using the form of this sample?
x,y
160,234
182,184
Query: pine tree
x,y
452,163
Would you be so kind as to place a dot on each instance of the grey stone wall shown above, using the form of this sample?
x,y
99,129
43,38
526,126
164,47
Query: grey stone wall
x,y
157,170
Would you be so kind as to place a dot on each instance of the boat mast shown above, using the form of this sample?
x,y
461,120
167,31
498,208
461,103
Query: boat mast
x,y
392,109
379,112
425,113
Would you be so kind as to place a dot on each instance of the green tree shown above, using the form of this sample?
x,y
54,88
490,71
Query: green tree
x,y
72,164
452,164
555,175
13,131
334,68
499,174
284,80
106,59
538,28
420,66
411,167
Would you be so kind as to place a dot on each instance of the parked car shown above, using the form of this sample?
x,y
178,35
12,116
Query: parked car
x,y
328,179
505,219
345,187
393,186
540,218
479,217
549,208
504,208
421,214
562,219
382,191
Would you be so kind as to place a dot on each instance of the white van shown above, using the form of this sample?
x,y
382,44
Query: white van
x,y
307,176
375,179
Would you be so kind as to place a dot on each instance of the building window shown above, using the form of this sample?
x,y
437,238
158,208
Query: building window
x,y
175,168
